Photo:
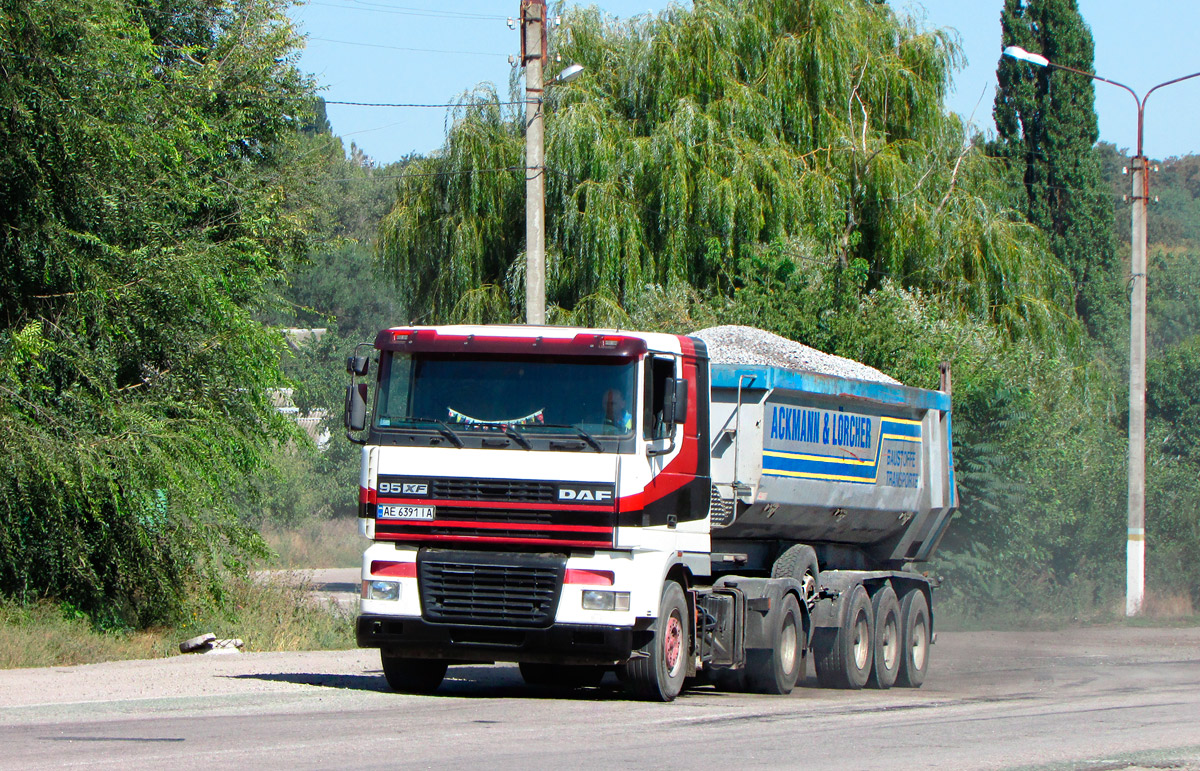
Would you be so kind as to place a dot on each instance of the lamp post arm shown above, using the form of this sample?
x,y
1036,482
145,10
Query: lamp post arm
x,y
1093,76
1170,82
1142,103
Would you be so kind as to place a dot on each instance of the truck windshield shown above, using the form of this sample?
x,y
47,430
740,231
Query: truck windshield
x,y
531,395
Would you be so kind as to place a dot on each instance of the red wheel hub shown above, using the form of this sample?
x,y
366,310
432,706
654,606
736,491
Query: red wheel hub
x,y
673,642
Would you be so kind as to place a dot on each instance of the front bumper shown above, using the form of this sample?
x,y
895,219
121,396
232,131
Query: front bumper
x,y
560,644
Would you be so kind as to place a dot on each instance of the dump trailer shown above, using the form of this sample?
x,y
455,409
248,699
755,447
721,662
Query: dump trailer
x,y
580,501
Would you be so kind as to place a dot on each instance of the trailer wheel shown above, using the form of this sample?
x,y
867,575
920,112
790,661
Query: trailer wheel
x,y
914,639
844,655
799,562
658,674
412,675
887,638
561,675
776,669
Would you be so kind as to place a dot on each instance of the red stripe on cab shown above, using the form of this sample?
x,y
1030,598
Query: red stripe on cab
x,y
393,569
589,577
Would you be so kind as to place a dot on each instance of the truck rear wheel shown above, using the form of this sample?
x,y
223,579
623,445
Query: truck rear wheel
x,y
887,638
799,562
658,674
914,639
412,675
844,655
775,670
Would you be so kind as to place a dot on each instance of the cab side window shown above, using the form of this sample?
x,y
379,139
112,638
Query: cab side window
x,y
658,372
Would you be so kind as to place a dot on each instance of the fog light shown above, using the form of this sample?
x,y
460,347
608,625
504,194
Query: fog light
x,y
381,590
597,600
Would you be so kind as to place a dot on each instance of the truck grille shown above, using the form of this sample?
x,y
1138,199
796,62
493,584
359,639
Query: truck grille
x,y
501,590
516,490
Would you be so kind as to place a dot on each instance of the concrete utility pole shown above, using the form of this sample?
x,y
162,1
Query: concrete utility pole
x,y
533,57
1135,550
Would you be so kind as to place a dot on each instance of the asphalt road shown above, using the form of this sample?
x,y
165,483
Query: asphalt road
x,y
1095,698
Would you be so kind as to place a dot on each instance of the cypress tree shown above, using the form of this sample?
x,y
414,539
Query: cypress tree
x,y
1047,131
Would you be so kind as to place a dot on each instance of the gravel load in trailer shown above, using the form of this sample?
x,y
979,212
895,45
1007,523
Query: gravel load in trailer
x,y
747,345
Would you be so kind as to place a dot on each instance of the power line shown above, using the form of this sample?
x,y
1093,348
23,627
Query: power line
x,y
373,177
399,10
415,104
404,48
252,96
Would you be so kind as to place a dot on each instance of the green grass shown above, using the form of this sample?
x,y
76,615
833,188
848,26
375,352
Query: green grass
x,y
267,616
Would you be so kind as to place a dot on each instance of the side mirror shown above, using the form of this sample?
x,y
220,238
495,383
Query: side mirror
x,y
675,401
681,401
357,365
356,407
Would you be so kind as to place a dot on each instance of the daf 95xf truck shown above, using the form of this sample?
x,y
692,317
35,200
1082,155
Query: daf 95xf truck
x,y
583,501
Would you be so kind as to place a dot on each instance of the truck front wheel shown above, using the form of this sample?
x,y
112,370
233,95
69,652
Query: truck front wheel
x,y
658,674
412,675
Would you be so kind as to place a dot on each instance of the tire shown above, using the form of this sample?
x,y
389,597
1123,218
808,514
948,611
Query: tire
x,y
914,638
844,655
800,562
776,669
561,675
887,639
659,674
412,675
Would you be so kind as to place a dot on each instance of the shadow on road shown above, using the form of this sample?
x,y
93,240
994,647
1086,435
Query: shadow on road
x,y
345,682
484,682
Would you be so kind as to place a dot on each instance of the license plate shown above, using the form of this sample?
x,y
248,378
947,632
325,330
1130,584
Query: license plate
x,y
393,511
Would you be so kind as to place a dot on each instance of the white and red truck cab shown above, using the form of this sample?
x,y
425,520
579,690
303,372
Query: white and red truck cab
x,y
546,496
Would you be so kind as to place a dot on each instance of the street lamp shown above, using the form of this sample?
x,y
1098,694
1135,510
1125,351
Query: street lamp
x,y
1135,559
533,56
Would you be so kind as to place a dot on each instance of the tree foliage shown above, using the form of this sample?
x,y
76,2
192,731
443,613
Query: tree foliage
x,y
146,167
700,139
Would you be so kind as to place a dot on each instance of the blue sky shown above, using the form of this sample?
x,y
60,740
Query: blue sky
x,y
362,51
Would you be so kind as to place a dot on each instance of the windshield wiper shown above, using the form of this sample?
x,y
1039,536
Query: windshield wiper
x,y
579,432
585,436
515,435
442,429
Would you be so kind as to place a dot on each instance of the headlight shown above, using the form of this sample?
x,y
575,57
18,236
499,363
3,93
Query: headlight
x,y
381,590
597,600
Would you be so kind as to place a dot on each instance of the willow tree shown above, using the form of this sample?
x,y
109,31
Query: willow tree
x,y
699,138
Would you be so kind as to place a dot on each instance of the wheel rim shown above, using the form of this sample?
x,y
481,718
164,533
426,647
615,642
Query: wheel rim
x,y
862,642
673,644
809,587
788,642
889,638
920,645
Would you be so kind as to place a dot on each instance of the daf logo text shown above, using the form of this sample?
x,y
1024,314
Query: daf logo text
x,y
584,494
